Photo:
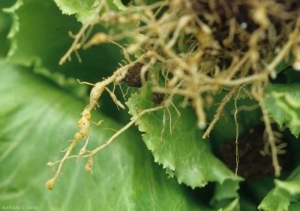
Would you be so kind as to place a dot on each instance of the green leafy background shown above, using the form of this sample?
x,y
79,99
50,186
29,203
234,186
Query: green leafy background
x,y
41,103
36,120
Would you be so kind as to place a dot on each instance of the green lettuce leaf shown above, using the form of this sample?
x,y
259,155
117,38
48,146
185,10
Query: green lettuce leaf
x,y
183,152
226,196
39,38
283,105
36,119
86,10
285,196
5,24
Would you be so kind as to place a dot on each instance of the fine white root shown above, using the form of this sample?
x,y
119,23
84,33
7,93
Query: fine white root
x,y
280,146
219,111
164,123
271,139
83,149
80,38
133,120
237,156
114,98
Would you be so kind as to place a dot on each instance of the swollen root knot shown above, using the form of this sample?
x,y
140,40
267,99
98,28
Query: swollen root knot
x,y
89,164
50,184
96,40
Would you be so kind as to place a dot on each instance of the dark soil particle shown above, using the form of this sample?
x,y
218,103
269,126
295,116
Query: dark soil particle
x,y
157,97
133,76
219,14
252,164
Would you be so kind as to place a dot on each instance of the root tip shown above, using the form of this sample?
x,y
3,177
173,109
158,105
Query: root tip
x,y
50,184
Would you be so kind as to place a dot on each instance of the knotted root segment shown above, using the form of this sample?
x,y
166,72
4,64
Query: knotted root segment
x,y
85,120
89,164
202,47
